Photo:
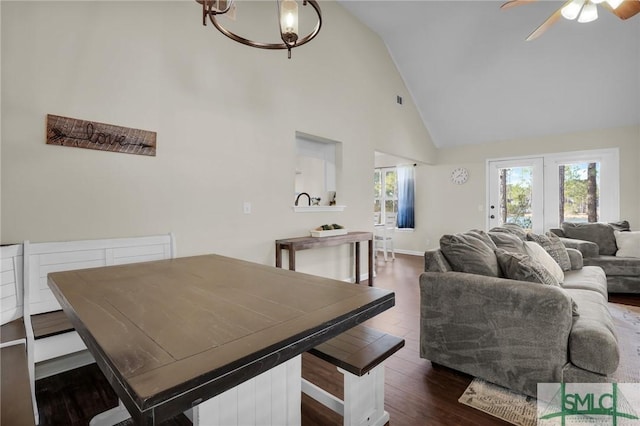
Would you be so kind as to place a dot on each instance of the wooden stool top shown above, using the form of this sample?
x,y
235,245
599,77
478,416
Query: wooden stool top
x,y
359,349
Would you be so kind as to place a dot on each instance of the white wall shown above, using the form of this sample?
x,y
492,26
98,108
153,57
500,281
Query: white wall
x,y
225,115
457,208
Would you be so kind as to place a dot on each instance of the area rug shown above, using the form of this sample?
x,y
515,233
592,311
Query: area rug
x,y
521,410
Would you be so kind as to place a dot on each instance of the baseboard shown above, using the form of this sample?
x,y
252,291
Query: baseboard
x,y
64,363
363,277
410,252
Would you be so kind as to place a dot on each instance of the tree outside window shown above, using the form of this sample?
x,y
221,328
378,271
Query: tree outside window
x,y
579,192
516,185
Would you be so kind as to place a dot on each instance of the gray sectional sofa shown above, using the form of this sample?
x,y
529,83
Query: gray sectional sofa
x,y
511,332
597,243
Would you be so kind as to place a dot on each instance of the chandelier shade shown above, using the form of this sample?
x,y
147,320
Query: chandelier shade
x,y
287,15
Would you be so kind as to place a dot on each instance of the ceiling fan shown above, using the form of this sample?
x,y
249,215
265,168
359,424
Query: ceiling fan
x,y
584,10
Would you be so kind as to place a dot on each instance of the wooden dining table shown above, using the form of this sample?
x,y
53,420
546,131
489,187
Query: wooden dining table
x,y
217,337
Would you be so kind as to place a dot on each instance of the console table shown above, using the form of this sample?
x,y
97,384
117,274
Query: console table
x,y
303,243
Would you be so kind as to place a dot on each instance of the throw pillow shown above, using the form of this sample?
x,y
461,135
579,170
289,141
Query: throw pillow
x,y
536,251
508,242
469,253
552,245
622,225
628,243
599,233
522,267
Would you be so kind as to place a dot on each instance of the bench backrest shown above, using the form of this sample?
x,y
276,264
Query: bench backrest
x,y
11,283
42,258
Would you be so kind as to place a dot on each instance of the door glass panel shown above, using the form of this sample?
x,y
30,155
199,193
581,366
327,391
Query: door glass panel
x,y
516,195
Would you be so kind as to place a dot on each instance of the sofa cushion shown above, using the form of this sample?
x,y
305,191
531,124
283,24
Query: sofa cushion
x,y
507,241
616,266
522,267
536,251
599,233
511,228
588,278
628,243
593,344
470,253
483,236
552,245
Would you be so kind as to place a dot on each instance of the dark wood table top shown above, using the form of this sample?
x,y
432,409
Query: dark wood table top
x,y
172,333
300,243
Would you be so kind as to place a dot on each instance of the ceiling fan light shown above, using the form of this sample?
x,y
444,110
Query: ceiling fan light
x,y
614,3
589,13
572,10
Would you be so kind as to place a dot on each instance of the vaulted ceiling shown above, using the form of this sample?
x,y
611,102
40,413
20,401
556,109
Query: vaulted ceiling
x,y
475,79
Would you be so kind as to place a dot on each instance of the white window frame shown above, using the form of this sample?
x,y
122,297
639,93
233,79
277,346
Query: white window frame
x,y
609,159
609,199
383,193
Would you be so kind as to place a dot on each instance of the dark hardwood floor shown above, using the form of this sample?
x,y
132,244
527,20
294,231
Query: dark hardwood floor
x,y
416,393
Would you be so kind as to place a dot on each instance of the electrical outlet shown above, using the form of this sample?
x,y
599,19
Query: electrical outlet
x,y
246,207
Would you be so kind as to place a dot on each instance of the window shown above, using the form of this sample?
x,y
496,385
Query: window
x,y
394,193
579,190
385,194
582,186
542,192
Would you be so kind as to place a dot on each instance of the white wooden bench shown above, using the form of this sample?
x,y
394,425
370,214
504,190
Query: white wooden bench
x,y
359,354
17,405
49,332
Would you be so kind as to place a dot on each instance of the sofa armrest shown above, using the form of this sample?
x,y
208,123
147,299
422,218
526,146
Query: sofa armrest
x,y
559,232
587,248
575,256
511,333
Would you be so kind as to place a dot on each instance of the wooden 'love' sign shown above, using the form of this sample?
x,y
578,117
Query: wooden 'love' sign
x,y
77,133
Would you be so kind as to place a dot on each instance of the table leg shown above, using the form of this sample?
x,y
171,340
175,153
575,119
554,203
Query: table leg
x,y
292,259
111,417
371,263
278,256
272,398
357,262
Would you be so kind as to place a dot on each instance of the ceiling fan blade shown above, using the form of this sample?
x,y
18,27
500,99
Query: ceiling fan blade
x,y
548,23
626,10
513,3
545,25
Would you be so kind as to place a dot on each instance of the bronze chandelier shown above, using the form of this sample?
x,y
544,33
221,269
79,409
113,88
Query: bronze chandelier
x,y
287,16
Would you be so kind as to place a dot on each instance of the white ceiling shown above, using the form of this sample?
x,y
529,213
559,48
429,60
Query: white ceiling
x,y
475,79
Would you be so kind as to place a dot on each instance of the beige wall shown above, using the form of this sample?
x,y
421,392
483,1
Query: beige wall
x,y
225,115
455,208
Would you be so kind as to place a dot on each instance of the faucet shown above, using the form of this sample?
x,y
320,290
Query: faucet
x,y
301,194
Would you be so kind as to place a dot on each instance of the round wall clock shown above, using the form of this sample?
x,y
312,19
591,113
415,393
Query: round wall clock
x,y
459,175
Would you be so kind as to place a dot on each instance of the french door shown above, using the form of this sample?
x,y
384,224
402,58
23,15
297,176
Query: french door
x,y
516,193
539,193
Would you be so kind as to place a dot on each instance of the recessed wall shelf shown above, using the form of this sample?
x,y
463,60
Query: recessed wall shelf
x,y
317,209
